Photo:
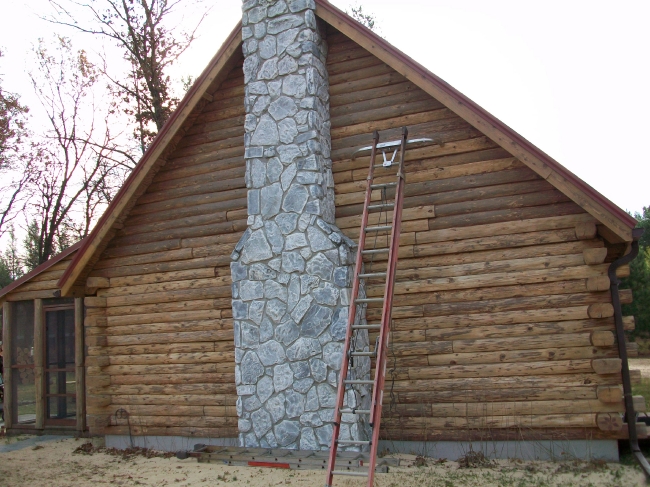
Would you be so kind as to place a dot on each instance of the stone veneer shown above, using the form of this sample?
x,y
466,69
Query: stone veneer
x,y
291,270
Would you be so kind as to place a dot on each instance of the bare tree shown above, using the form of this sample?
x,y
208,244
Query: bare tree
x,y
15,157
81,166
147,33
367,19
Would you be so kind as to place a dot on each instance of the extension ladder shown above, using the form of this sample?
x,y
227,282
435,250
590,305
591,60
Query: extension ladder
x,y
379,354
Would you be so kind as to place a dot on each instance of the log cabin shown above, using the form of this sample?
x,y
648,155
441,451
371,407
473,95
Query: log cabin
x,y
207,301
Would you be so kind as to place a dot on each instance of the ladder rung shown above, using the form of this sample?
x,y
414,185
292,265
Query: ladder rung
x,y
350,473
375,251
372,274
353,442
355,411
366,327
369,300
383,185
363,354
381,206
359,382
380,228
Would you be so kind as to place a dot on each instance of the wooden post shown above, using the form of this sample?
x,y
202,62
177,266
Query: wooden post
x,y
39,358
7,359
79,363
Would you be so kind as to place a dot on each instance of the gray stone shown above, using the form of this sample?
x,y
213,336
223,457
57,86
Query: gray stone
x,y
320,266
308,177
256,14
324,434
250,335
288,153
299,5
294,85
256,248
273,289
282,377
341,276
239,271
317,319
287,65
288,130
252,403
275,309
274,170
239,310
339,325
253,201
313,207
295,241
301,308
317,239
300,370
275,406
305,252
282,108
251,152
277,9
333,354
311,419
303,349
307,283
312,400
286,432
295,199
244,425
271,353
286,38
251,441
308,439
273,233
261,272
327,294
251,64
275,264
267,47
271,200
261,422
265,388
318,369
257,88
326,415
251,368
266,330
275,88
287,177
326,395
284,23
249,290
266,132
294,293
294,404
260,105
332,378
303,385
247,390
292,262
269,69
287,333
287,223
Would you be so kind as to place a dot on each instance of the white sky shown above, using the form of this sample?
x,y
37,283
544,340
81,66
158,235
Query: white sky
x,y
571,76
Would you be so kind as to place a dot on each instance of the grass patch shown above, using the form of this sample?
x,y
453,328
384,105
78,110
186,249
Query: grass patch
x,y
642,388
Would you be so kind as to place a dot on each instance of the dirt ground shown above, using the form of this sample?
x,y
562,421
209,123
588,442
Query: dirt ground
x,y
53,464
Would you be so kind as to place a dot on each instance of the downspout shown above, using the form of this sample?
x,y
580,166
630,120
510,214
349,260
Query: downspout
x,y
622,349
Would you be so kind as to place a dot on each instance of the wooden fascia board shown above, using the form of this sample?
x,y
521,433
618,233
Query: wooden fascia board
x,y
562,179
140,174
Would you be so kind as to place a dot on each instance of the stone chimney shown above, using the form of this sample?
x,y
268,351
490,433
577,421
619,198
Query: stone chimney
x,y
291,270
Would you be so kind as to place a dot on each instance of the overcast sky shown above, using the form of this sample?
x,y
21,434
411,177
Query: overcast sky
x,y
571,76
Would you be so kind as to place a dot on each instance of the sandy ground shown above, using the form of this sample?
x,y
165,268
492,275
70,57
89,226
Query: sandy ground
x,y
54,464
642,364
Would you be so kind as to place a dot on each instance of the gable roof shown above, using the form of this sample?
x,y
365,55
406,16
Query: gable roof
x,y
613,217
41,268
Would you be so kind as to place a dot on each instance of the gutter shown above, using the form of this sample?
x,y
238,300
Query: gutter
x,y
622,349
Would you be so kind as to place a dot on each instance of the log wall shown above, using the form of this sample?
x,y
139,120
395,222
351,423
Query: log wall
x,y
503,319
159,332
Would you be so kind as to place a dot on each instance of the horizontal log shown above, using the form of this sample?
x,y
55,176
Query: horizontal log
x,y
514,393
609,421
597,283
187,432
94,302
170,389
198,367
165,317
403,433
218,400
600,310
595,256
207,280
141,379
605,366
610,394
179,326
579,420
227,357
602,338
167,410
187,347
585,231
171,255
120,285
195,293
164,338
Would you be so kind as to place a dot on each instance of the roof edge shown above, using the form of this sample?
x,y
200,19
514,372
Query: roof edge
x,y
43,267
155,149
463,100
